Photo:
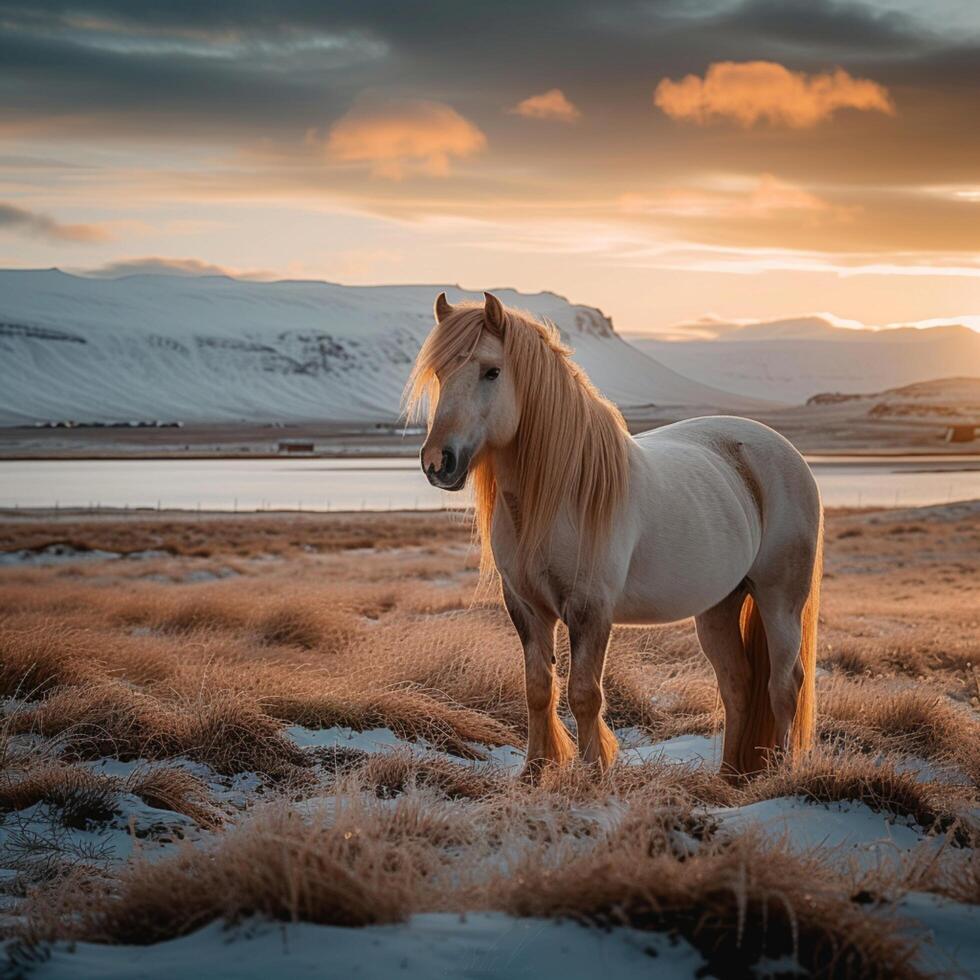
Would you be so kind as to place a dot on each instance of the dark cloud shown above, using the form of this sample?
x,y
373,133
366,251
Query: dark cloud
x,y
817,29
154,265
13,218
189,66
272,80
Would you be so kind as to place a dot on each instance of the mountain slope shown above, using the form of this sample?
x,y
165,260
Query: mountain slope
x,y
790,360
219,349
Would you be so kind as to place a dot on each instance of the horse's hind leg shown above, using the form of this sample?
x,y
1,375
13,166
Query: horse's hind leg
x,y
721,641
781,610
547,738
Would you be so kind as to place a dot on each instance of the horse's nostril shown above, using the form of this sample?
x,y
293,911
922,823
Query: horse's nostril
x,y
448,462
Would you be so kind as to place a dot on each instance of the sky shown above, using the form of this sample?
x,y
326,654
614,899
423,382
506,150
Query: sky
x,y
665,160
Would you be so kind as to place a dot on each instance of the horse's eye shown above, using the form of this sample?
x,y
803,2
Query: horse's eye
x,y
492,374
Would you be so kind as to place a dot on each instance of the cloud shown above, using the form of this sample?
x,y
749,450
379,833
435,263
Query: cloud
x,y
807,326
154,265
733,198
14,218
398,138
552,104
751,91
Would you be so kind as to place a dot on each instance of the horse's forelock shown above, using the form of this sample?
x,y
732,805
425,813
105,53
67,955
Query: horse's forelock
x,y
450,344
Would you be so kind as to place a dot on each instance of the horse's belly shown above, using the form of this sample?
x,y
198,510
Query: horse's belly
x,y
641,603
698,536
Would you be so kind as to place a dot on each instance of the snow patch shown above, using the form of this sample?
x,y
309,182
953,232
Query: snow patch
x,y
479,946
845,831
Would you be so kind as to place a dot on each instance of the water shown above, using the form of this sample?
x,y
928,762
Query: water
x,y
398,484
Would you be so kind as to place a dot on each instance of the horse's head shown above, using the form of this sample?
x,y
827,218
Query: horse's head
x,y
473,404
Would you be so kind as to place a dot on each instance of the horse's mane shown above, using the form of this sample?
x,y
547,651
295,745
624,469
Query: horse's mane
x,y
571,445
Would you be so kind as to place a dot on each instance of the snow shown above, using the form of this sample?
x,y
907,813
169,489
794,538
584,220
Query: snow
x,y
30,833
635,747
484,946
847,832
211,348
952,933
504,758
56,554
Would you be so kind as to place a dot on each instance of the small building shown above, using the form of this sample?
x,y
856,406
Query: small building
x,y
292,446
961,433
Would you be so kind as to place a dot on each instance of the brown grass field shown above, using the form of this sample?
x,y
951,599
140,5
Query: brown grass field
x,y
157,693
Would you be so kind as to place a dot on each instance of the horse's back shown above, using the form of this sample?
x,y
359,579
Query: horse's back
x,y
713,431
757,453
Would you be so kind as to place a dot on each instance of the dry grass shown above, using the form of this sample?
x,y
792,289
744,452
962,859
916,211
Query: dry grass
x,y
173,788
79,796
82,797
245,536
914,720
277,866
736,903
393,774
160,660
35,660
876,782
220,728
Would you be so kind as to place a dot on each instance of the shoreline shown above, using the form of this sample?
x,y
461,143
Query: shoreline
x,y
178,513
813,457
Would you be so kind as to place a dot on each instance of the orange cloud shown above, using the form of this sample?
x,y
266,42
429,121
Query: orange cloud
x,y
759,199
751,91
404,137
552,104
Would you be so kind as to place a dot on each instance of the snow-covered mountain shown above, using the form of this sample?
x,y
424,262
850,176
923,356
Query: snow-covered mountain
x,y
218,349
789,360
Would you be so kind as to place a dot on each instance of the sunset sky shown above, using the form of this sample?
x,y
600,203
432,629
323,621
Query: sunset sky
x,y
661,160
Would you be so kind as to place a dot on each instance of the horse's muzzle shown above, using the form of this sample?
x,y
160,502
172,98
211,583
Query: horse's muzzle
x,y
452,474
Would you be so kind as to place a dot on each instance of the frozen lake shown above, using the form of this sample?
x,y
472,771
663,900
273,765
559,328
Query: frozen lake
x,y
376,483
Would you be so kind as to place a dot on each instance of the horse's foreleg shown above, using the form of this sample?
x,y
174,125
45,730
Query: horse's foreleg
x,y
547,738
588,633
721,641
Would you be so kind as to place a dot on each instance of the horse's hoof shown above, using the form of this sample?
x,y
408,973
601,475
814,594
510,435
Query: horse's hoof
x,y
531,773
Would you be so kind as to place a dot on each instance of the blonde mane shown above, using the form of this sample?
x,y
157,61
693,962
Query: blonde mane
x,y
571,446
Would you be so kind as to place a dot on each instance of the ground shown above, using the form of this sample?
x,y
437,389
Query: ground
x,y
255,744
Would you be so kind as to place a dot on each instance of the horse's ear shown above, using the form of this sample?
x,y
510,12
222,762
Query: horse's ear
x,y
493,312
442,308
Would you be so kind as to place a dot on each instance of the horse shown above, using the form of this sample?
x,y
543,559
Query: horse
x,y
717,518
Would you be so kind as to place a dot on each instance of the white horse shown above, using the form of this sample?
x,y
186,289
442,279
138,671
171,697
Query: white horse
x,y
717,518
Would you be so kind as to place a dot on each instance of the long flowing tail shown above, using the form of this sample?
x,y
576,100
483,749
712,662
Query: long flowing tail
x,y
758,736
804,723
758,733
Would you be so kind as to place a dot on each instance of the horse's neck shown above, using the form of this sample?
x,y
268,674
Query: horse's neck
x,y
507,478
503,465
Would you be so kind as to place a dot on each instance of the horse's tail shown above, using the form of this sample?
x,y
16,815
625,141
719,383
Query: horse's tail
x,y
804,723
759,729
758,734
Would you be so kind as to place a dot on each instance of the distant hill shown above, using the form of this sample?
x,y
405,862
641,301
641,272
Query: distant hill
x,y
212,349
942,400
791,359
